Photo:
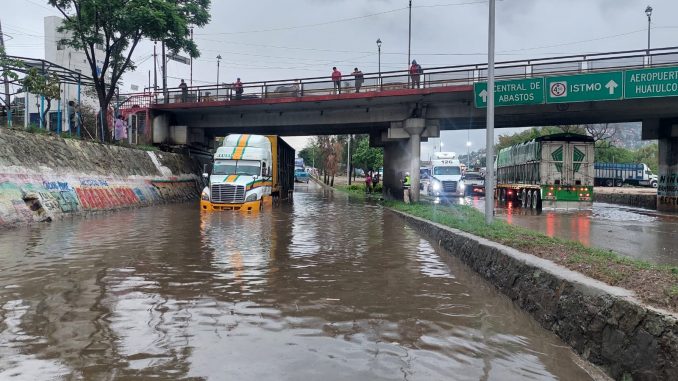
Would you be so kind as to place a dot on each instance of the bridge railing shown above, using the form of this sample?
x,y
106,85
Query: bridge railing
x,y
431,78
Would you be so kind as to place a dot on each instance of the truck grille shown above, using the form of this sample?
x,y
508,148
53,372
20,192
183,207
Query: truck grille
x,y
234,194
449,186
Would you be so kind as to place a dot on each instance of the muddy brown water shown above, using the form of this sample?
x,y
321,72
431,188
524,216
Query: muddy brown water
x,y
327,288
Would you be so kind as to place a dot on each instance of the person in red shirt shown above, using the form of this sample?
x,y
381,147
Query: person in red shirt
x,y
415,74
238,89
336,78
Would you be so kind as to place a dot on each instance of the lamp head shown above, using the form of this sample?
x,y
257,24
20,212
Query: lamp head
x,y
379,42
648,11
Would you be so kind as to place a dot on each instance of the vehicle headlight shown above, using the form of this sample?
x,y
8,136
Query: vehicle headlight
x,y
436,186
205,195
252,197
461,185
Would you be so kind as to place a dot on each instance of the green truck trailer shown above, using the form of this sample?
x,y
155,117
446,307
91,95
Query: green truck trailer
x,y
553,171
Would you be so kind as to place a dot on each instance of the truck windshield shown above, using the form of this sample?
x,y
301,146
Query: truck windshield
x,y
236,167
446,171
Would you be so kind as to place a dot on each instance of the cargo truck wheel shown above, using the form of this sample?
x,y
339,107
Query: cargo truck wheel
x,y
535,200
654,184
529,199
502,197
609,183
619,183
523,197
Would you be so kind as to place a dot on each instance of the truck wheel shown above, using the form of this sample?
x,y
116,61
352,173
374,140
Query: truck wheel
x,y
523,196
502,196
609,183
619,183
533,203
654,184
537,204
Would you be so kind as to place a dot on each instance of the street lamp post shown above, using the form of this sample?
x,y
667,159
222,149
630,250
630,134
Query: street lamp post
x,y
468,155
218,62
379,50
648,12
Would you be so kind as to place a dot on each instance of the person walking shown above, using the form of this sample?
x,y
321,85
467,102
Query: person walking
x,y
184,91
359,79
120,129
368,182
415,74
336,78
238,89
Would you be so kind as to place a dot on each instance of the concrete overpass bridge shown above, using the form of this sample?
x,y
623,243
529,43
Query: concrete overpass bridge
x,y
639,85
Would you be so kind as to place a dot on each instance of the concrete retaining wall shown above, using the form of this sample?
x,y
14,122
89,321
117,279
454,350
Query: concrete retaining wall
x,y
43,178
647,201
606,325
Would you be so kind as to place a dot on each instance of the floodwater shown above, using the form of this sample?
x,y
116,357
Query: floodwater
x,y
327,288
633,232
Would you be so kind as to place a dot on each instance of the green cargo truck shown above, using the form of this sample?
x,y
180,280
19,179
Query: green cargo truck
x,y
553,171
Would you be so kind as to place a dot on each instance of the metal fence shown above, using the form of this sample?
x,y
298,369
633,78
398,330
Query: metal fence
x,y
431,78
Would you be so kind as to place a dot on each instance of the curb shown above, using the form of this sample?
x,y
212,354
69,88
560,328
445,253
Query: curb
x,y
606,325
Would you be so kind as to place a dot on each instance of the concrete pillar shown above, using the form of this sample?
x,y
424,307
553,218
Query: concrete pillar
x,y
666,133
396,162
667,190
414,127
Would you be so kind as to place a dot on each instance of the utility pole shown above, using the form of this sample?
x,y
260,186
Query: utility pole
x,y
348,160
164,75
6,80
155,68
409,37
489,138
191,78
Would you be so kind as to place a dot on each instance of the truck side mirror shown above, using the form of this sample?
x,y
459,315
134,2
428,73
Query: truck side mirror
x,y
205,176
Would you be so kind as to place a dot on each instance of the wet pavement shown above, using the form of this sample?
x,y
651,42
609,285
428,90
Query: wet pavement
x,y
326,288
633,232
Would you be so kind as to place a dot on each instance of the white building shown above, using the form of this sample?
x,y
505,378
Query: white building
x,y
69,58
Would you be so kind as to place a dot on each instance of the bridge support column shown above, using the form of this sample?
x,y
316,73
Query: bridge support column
x,y
666,133
402,151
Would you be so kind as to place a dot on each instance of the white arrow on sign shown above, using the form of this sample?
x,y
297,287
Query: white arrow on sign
x,y
611,86
483,94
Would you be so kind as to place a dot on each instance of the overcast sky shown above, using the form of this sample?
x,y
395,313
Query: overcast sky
x,y
275,39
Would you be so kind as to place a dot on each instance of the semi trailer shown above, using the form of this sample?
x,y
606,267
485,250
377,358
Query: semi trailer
x,y
553,171
618,174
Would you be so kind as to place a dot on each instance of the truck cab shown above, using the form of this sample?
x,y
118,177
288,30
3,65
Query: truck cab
x,y
446,175
241,174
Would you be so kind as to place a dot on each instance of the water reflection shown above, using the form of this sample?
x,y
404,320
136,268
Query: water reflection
x,y
323,288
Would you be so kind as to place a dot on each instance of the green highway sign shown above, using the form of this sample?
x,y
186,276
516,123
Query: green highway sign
x,y
511,93
585,87
649,83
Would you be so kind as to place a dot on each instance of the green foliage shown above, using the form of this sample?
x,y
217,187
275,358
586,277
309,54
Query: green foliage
x,y
119,25
311,155
532,133
45,85
606,153
7,65
366,157
649,155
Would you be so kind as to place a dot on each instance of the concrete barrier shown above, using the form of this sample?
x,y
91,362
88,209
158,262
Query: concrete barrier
x,y
646,201
606,325
43,177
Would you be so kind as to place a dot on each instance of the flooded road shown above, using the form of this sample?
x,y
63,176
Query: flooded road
x,y
633,232
323,289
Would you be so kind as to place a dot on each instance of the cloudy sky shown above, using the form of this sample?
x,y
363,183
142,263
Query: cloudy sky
x,y
275,39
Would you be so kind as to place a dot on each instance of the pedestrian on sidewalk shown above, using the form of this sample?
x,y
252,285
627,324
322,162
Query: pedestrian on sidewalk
x,y
120,129
406,188
238,89
336,78
359,79
415,74
184,91
368,182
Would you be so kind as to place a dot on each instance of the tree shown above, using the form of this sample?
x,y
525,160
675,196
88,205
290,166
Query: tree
x,y
119,25
605,131
8,75
366,157
44,85
607,153
648,154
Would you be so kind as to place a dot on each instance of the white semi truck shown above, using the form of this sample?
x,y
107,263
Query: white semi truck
x,y
248,171
446,175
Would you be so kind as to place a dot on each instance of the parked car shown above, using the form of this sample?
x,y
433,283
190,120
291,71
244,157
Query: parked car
x,y
474,183
300,176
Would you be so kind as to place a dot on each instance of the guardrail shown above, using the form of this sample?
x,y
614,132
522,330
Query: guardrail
x,y
431,78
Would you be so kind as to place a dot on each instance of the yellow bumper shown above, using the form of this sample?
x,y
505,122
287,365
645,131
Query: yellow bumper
x,y
252,206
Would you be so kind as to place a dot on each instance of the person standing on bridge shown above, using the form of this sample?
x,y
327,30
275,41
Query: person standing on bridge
x,y
359,79
184,91
336,78
415,74
238,89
